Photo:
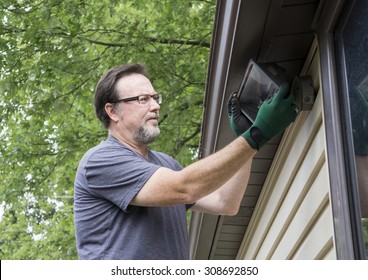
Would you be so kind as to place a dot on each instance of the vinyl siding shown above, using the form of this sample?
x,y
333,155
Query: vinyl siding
x,y
293,218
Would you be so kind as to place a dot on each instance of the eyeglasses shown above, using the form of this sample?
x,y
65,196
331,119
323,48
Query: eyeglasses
x,y
142,99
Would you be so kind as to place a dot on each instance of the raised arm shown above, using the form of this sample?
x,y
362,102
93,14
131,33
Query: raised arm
x,y
227,169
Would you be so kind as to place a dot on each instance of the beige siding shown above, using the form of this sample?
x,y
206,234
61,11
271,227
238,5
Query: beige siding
x,y
293,218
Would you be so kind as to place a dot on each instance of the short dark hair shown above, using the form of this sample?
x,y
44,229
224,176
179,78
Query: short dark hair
x,y
106,88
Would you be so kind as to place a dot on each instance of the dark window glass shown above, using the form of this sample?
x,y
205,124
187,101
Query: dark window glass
x,y
353,44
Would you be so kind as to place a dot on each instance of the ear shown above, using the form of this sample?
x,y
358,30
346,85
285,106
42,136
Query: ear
x,y
111,112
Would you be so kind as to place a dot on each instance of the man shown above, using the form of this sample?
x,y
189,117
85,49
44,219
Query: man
x,y
131,202
359,121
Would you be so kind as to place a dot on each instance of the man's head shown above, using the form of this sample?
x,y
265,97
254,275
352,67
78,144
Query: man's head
x,y
126,102
106,88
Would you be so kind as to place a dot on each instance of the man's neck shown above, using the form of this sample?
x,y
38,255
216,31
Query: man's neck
x,y
138,148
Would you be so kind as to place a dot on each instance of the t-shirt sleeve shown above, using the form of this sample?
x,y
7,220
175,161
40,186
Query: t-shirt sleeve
x,y
117,176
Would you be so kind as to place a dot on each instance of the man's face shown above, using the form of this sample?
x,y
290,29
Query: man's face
x,y
138,122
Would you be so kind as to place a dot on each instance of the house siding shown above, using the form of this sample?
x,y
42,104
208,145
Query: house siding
x,y
293,217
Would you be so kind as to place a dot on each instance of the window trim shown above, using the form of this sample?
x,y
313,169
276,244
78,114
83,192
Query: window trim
x,y
347,245
351,168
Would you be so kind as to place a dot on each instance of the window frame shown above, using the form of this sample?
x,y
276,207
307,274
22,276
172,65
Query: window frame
x,y
351,168
340,152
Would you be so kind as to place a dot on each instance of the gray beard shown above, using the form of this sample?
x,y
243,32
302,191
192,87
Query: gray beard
x,y
146,136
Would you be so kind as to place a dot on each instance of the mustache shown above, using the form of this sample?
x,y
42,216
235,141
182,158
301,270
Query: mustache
x,y
152,116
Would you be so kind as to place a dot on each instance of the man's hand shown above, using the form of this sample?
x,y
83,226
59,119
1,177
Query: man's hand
x,y
272,118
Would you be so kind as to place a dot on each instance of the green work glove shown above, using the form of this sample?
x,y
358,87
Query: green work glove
x,y
272,118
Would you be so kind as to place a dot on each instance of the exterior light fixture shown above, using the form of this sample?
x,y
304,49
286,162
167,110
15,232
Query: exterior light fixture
x,y
263,80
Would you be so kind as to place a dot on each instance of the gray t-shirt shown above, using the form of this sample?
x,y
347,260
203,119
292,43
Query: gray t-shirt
x,y
107,227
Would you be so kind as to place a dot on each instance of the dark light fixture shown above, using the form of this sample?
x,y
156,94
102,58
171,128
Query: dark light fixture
x,y
263,80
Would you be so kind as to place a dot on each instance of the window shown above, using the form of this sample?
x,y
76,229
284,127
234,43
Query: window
x,y
352,46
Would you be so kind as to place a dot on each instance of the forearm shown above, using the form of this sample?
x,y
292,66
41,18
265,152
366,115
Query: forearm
x,y
218,169
227,199
167,187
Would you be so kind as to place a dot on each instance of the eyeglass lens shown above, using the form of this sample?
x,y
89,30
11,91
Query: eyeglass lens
x,y
144,99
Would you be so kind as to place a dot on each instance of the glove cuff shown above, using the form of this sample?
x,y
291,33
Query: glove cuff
x,y
255,137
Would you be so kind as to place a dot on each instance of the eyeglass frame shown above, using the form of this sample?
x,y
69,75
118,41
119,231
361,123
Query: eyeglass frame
x,y
136,98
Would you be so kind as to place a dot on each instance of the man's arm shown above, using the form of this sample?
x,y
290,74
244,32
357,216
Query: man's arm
x,y
167,187
226,200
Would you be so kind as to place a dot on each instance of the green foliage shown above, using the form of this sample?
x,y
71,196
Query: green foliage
x,y
365,235
52,54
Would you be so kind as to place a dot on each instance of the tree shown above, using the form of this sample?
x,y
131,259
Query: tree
x,y
52,54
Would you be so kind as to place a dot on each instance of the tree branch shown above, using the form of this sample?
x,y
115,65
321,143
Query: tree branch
x,y
153,40
182,142
179,42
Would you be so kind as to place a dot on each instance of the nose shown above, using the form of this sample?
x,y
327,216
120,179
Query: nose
x,y
153,105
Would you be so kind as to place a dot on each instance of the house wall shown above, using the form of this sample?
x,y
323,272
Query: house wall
x,y
293,217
